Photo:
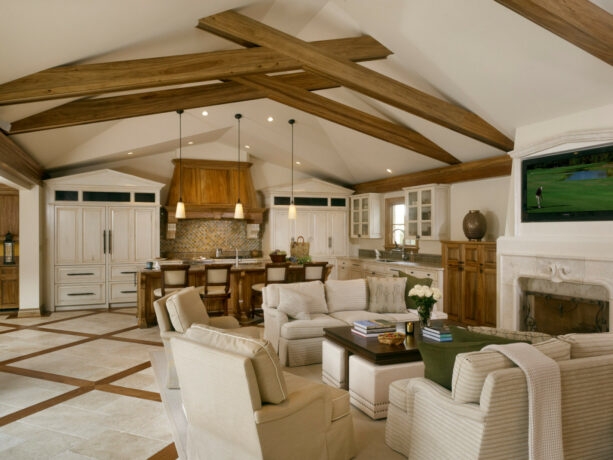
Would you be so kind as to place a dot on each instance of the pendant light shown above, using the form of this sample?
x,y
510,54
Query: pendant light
x,y
180,212
238,209
291,212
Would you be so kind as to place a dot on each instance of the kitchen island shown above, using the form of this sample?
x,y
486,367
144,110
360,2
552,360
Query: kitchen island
x,y
242,277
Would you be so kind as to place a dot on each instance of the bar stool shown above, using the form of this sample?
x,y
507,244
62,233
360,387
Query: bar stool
x,y
217,284
174,277
274,273
314,271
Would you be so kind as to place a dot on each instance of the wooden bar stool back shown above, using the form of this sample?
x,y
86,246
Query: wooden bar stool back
x,y
314,271
217,284
274,273
174,277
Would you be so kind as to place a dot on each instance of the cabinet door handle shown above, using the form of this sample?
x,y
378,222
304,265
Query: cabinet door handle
x,y
104,240
110,242
80,274
72,294
329,241
127,273
127,292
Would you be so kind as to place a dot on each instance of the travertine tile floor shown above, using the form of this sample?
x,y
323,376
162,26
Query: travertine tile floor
x,y
78,385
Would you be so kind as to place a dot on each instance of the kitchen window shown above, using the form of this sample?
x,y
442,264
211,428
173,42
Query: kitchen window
x,y
394,222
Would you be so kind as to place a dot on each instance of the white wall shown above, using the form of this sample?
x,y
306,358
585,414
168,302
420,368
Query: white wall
x,y
31,239
490,196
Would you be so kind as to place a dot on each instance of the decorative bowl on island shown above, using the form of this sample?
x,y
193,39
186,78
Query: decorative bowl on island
x,y
391,338
278,256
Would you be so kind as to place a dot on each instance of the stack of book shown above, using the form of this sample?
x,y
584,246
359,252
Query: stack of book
x,y
438,333
373,328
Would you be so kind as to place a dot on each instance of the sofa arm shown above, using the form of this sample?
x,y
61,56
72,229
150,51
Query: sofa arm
x,y
273,321
296,401
224,322
441,397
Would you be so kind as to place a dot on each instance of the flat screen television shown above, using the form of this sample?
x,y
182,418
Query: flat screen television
x,y
570,186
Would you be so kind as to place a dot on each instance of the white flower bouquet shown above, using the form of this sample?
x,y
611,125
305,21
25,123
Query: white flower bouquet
x,y
425,297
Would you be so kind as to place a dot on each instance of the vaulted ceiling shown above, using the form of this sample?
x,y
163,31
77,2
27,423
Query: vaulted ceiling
x,y
478,55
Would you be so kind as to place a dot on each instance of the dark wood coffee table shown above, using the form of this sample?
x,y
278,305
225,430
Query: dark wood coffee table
x,y
371,350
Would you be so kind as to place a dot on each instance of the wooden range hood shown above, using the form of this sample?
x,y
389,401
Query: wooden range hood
x,y
209,190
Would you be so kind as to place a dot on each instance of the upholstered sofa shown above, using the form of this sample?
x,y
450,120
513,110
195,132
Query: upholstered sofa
x,y
299,341
485,415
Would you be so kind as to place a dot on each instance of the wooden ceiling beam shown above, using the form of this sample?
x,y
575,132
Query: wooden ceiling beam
x,y
581,22
342,114
17,165
473,170
90,79
86,111
324,62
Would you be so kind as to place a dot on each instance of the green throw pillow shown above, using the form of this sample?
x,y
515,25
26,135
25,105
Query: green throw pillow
x,y
412,281
461,334
439,358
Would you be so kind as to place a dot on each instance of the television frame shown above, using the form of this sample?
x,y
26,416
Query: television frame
x,y
574,216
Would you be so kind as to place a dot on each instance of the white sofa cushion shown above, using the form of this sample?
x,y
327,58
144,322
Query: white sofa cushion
x,y
300,300
348,317
471,369
186,308
347,295
306,329
386,295
589,345
339,398
266,365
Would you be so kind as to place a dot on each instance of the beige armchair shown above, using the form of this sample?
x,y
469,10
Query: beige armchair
x,y
192,311
227,419
485,415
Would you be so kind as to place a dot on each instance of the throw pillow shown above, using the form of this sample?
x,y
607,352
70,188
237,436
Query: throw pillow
x,y
439,359
186,308
460,334
308,298
265,361
347,295
387,295
412,281
529,336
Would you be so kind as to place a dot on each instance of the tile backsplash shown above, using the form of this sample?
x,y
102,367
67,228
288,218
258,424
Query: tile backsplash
x,y
202,237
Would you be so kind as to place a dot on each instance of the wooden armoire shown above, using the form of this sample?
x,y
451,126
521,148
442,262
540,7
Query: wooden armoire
x,y
470,282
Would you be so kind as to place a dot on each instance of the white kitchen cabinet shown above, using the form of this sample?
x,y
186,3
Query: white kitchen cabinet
x,y
337,233
281,230
102,227
427,212
366,216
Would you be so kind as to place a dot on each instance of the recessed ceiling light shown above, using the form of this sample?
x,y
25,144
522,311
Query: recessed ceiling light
x,y
130,153
190,143
389,170
247,146
298,163
270,119
204,113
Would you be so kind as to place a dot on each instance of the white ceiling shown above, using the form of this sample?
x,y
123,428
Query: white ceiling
x,y
477,54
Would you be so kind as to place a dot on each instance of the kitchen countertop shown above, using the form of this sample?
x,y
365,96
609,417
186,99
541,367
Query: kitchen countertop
x,y
240,268
404,263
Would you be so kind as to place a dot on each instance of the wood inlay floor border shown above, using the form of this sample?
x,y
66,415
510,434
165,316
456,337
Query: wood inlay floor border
x,y
124,373
167,453
126,391
47,376
47,350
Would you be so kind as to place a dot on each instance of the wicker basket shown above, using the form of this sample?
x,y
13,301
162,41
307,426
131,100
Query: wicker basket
x,y
277,258
391,338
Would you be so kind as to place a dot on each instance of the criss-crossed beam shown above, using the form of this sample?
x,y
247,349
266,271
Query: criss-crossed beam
x,y
347,116
242,29
91,110
94,79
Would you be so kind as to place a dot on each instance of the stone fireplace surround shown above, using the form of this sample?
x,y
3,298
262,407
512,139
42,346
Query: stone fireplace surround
x,y
566,254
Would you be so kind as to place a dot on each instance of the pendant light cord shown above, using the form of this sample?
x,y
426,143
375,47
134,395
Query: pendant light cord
x,y
238,117
180,112
291,121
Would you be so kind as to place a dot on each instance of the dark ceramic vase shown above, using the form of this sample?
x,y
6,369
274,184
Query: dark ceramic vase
x,y
474,225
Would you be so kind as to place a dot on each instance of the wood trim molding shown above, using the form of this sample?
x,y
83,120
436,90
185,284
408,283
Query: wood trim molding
x,y
347,116
17,165
233,25
473,170
106,77
580,22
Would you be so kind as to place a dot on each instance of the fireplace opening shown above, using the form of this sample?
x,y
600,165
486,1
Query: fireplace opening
x,y
561,314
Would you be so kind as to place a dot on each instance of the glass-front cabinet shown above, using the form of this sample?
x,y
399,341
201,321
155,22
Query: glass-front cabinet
x,y
366,216
427,212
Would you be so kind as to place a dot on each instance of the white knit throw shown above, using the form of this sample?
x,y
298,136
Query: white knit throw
x,y
544,399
